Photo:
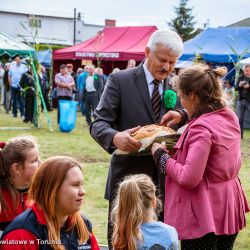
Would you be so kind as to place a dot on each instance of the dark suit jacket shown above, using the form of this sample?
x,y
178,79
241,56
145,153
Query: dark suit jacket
x,y
27,82
124,104
241,89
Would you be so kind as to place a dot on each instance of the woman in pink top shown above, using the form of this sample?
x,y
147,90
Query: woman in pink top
x,y
204,199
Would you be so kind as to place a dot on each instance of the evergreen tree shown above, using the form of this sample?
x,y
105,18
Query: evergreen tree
x,y
184,22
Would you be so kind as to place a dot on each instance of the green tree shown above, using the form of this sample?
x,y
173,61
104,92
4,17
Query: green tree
x,y
184,22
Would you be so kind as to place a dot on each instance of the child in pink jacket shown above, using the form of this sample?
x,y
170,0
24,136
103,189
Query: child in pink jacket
x,y
204,199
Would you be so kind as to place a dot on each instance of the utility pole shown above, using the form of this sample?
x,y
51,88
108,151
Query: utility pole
x,y
74,40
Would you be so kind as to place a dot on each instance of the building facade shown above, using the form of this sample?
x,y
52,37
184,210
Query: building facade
x,y
43,29
243,23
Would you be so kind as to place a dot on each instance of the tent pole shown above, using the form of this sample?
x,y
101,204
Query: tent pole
x,y
40,93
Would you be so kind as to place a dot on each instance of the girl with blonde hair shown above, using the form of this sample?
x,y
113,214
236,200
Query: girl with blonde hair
x,y
54,220
134,218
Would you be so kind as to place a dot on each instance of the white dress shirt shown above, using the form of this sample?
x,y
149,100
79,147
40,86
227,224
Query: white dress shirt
x,y
150,79
90,87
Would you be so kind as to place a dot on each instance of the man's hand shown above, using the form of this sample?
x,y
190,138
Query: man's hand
x,y
62,84
246,86
171,118
241,83
124,141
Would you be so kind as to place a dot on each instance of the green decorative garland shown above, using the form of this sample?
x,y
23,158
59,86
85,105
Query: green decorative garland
x,y
169,99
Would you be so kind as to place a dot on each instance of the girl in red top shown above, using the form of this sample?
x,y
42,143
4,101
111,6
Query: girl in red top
x,y
19,159
54,220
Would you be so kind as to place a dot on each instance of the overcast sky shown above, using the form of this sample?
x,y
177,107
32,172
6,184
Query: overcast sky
x,y
135,12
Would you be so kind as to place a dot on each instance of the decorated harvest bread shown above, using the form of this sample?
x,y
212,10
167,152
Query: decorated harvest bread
x,y
152,130
149,134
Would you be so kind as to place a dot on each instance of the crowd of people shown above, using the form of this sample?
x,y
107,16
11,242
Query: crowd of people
x,y
192,194
85,86
19,89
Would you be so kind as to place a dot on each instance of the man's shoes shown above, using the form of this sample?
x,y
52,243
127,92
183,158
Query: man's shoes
x,y
25,120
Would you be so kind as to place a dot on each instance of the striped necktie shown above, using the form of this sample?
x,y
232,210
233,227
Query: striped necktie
x,y
156,100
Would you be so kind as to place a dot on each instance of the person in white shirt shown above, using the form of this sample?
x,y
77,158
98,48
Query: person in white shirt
x,y
15,74
92,90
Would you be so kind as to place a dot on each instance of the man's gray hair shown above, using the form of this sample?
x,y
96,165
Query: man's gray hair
x,y
79,70
168,39
246,66
92,66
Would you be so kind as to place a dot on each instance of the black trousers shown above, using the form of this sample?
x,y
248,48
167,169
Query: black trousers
x,y
91,102
243,106
67,98
29,108
46,100
210,242
17,99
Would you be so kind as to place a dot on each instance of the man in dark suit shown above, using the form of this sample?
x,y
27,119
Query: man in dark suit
x,y
92,91
126,104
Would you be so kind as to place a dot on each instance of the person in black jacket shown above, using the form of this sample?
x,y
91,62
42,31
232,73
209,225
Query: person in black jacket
x,y
243,103
127,103
44,87
27,83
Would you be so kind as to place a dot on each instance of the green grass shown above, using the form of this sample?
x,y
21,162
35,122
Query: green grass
x,y
243,240
78,144
95,161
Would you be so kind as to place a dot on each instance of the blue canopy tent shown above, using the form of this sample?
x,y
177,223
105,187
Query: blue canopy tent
x,y
221,45
44,57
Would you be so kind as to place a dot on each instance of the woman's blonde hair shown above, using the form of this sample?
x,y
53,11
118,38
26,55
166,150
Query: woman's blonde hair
x,y
204,82
135,197
14,151
43,192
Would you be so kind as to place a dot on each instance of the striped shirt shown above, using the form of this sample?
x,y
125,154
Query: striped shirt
x,y
65,79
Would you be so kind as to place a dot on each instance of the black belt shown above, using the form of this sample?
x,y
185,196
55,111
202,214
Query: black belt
x,y
90,92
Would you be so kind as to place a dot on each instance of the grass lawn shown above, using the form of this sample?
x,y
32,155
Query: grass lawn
x,y
95,163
